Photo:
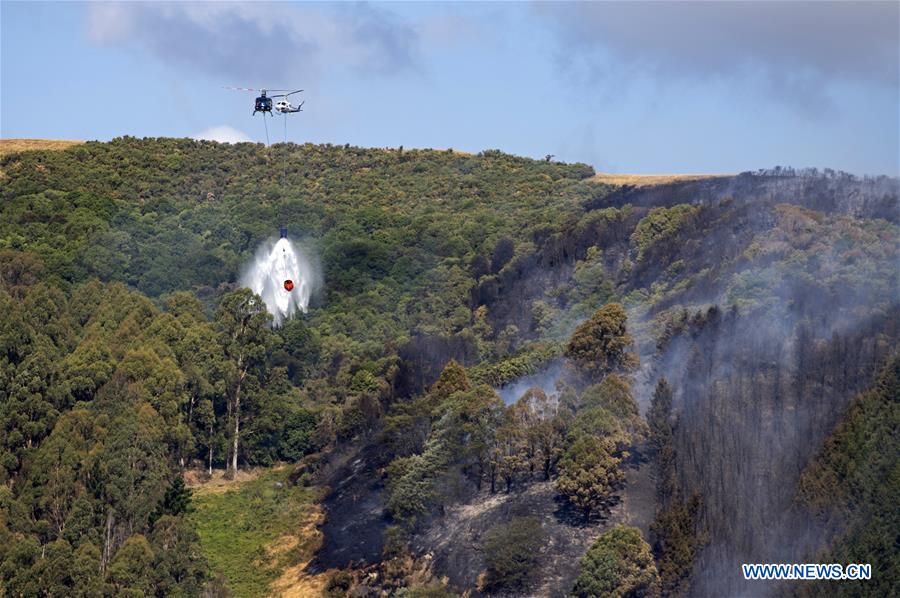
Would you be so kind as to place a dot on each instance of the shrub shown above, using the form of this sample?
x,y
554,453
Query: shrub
x,y
512,552
618,564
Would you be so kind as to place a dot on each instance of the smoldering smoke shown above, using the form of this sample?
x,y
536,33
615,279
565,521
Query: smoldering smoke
x,y
545,380
276,262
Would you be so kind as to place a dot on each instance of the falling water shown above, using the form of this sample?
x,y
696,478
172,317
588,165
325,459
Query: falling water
x,y
283,275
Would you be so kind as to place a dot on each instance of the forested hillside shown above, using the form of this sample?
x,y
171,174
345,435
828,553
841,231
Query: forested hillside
x,y
699,346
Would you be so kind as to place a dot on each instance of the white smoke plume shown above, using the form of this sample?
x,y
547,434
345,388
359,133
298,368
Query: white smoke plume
x,y
276,266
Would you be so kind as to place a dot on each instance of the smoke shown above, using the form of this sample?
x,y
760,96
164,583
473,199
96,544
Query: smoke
x,y
545,380
756,394
757,389
276,267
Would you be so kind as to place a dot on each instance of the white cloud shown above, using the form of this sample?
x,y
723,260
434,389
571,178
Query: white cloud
x,y
259,44
222,134
796,50
109,23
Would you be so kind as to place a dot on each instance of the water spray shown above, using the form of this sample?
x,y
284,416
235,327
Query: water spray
x,y
283,275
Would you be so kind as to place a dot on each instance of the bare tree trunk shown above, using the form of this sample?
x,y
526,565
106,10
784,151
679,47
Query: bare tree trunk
x,y
107,540
237,428
237,413
210,448
230,405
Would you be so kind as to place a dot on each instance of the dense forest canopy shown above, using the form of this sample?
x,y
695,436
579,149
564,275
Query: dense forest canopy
x,y
683,328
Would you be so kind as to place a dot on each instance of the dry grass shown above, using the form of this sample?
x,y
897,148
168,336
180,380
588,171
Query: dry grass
x,y
12,146
200,482
645,180
295,581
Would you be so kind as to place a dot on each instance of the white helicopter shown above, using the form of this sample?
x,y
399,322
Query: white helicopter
x,y
264,102
285,107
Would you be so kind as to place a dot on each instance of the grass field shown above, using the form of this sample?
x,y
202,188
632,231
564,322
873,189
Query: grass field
x,y
255,530
643,180
12,146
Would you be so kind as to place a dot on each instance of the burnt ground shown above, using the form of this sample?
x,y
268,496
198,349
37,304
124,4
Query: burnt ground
x,y
454,540
353,530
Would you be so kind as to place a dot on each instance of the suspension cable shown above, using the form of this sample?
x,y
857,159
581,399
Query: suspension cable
x,y
284,161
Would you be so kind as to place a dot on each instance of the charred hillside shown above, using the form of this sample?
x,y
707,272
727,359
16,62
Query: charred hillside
x,y
696,236
827,191
755,398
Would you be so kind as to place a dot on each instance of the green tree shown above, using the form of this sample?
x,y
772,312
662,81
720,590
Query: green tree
x,y
677,542
452,379
134,471
509,454
85,573
588,474
614,395
54,568
600,344
597,421
179,568
512,553
619,564
64,469
856,479
17,569
243,325
544,426
201,358
478,414
176,500
659,416
300,349
128,570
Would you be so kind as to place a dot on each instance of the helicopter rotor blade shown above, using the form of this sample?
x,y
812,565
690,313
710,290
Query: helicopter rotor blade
x,y
284,95
260,90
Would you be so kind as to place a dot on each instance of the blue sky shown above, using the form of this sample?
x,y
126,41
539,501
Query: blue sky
x,y
625,87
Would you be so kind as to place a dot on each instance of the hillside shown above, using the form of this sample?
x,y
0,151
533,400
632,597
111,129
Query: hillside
x,y
692,345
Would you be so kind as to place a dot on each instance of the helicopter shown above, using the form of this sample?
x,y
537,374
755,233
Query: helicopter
x,y
264,102
285,106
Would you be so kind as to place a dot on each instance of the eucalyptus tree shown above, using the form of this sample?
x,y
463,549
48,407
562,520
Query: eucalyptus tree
x,y
246,338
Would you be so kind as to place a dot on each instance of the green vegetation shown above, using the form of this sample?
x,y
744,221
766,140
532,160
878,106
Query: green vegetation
x,y
600,344
414,480
589,474
457,429
105,397
250,534
857,481
128,355
528,361
618,564
659,225
512,553
675,527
